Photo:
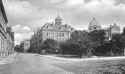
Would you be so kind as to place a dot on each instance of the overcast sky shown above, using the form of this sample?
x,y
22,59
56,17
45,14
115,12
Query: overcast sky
x,y
25,16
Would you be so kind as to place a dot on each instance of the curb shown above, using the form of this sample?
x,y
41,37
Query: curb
x,y
85,59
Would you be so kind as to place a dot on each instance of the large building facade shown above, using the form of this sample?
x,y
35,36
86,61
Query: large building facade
x,y
6,35
57,30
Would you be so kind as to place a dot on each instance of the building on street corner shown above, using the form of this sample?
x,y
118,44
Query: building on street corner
x,y
6,35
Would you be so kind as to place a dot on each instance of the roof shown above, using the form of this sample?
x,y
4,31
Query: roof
x,y
3,11
58,18
93,22
53,27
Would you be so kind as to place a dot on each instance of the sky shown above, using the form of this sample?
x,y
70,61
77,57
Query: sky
x,y
26,16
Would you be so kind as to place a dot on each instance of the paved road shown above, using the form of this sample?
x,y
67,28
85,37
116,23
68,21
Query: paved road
x,y
35,64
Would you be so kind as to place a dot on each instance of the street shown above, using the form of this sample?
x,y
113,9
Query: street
x,y
44,64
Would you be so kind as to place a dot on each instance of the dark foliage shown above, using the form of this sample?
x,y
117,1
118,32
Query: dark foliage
x,y
19,48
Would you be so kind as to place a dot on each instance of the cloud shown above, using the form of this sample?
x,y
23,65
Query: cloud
x,y
21,33
22,36
75,2
26,28
21,12
56,1
20,9
25,16
20,28
106,11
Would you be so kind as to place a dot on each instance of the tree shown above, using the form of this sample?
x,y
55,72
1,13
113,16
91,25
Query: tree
x,y
116,44
51,46
96,39
19,48
123,31
112,47
97,36
82,39
88,41
122,40
70,48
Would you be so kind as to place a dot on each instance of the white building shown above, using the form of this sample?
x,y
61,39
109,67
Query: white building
x,y
57,30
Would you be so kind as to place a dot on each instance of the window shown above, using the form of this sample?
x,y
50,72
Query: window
x,y
62,34
47,34
95,28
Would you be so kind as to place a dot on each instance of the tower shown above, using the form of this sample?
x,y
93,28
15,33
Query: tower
x,y
94,25
58,20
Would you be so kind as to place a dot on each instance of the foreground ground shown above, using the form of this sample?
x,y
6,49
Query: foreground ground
x,y
36,64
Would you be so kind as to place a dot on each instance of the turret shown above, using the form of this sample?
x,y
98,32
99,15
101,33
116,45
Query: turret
x,y
94,25
58,20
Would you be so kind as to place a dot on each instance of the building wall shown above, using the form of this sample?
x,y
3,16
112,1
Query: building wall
x,y
56,30
56,35
6,43
1,44
26,45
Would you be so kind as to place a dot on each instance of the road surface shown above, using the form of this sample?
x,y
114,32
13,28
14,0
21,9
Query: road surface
x,y
36,64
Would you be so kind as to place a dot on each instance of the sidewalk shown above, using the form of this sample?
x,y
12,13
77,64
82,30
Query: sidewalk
x,y
8,59
84,59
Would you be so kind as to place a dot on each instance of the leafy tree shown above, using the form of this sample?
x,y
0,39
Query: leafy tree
x,y
96,38
112,47
123,31
70,48
116,44
88,41
82,39
19,48
51,46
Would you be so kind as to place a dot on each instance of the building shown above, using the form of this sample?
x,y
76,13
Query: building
x,y
6,36
36,39
94,25
25,45
57,30
113,29
10,40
